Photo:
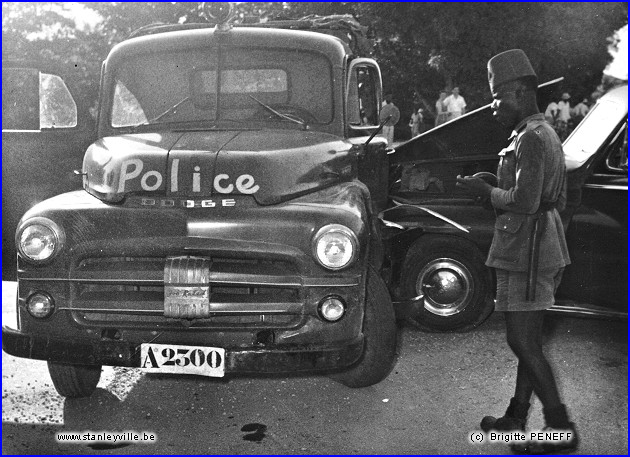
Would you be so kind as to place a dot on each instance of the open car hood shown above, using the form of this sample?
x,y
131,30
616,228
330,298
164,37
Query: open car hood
x,y
474,134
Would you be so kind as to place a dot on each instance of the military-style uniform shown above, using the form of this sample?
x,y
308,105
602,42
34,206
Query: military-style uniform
x,y
531,179
531,189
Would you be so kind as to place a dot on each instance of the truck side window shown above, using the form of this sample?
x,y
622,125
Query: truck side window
x,y
32,101
362,97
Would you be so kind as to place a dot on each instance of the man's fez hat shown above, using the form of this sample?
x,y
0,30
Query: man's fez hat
x,y
509,66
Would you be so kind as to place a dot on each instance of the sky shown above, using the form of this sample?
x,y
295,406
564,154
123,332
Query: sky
x,y
618,68
85,18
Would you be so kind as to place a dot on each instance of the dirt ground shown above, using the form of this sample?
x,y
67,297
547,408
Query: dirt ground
x,y
443,383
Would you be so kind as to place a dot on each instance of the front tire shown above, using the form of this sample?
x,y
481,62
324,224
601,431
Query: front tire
x,y
451,274
74,381
379,329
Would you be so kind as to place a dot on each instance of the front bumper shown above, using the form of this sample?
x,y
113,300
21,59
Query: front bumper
x,y
266,359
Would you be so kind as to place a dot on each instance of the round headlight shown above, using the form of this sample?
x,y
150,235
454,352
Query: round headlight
x,y
332,309
40,305
39,239
335,246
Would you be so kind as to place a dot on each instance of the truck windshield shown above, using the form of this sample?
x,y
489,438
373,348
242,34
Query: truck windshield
x,y
197,86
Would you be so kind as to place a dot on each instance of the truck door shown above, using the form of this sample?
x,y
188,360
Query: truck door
x,y
44,135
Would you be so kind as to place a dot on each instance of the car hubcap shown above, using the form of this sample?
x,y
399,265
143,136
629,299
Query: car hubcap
x,y
447,286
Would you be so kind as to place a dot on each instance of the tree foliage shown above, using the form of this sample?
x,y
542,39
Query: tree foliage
x,y
421,47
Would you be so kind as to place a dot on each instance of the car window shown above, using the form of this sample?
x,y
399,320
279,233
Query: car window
x,y
57,108
32,100
592,132
618,157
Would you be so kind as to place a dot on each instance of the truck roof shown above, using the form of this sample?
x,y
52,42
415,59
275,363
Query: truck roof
x,y
342,26
182,39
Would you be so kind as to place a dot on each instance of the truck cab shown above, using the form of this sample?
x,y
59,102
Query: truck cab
x,y
227,222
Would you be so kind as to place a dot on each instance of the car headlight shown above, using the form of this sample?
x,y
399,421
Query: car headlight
x,y
39,239
335,246
40,305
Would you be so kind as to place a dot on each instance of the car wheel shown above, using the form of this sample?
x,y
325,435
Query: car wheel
x,y
379,330
456,285
74,381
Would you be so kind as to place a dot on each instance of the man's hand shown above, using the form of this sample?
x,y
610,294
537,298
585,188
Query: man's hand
x,y
475,186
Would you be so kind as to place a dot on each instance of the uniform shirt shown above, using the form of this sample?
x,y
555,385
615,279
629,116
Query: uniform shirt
x,y
531,170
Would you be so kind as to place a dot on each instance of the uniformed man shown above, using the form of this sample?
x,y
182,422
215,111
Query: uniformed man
x,y
531,191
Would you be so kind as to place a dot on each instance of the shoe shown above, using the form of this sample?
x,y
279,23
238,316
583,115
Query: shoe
x,y
549,447
514,419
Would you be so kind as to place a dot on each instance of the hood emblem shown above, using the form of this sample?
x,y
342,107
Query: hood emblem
x,y
183,202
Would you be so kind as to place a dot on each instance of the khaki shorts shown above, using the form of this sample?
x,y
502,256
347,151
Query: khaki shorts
x,y
512,286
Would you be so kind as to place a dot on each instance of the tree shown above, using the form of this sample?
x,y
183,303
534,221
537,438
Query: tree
x,y
425,47
421,47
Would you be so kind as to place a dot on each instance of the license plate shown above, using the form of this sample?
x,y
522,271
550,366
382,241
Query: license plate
x,y
171,358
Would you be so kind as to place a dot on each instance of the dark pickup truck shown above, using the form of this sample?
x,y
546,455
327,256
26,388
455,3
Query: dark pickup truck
x,y
227,221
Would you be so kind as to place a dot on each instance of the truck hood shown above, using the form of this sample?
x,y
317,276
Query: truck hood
x,y
270,165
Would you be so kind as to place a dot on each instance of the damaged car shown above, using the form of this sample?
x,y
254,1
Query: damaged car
x,y
439,236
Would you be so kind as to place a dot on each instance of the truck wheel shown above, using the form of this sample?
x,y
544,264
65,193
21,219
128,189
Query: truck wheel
x,y
456,285
379,330
74,381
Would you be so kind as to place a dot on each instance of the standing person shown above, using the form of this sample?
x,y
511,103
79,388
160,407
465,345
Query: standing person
x,y
564,116
389,109
531,190
551,113
441,115
455,104
580,110
414,123
421,126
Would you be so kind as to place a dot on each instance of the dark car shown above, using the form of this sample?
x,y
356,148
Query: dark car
x,y
439,236
45,131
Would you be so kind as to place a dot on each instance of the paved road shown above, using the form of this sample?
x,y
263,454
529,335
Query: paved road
x,y
439,389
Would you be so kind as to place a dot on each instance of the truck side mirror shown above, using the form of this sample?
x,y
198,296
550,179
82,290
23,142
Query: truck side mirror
x,y
363,96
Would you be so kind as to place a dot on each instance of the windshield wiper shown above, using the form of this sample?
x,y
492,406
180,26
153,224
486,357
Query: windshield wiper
x,y
294,119
171,110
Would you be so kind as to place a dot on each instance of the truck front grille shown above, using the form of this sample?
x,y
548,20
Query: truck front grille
x,y
129,292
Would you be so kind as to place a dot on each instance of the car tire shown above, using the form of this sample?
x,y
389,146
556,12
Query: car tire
x,y
74,381
380,333
466,300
